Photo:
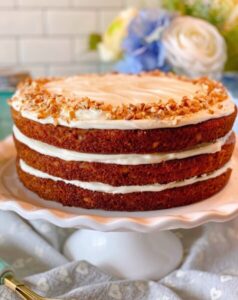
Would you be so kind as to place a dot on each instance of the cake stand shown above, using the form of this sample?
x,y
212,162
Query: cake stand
x,y
135,245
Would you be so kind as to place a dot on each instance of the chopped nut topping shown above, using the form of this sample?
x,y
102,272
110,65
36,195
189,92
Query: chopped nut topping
x,y
36,98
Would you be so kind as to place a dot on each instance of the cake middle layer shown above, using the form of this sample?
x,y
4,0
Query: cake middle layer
x,y
124,169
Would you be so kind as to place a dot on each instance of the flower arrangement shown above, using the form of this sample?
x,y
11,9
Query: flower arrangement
x,y
142,47
221,13
195,47
188,37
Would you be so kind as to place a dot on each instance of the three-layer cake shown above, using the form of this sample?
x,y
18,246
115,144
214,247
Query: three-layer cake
x,y
123,142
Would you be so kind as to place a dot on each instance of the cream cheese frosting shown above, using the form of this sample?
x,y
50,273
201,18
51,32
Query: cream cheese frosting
x,y
91,119
116,90
119,159
123,89
105,188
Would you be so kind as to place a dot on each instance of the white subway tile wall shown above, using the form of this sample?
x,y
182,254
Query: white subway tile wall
x,y
45,50
50,37
8,51
7,3
105,18
97,3
19,23
42,3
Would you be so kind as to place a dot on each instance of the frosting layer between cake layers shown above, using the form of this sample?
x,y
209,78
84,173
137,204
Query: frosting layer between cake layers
x,y
120,159
105,188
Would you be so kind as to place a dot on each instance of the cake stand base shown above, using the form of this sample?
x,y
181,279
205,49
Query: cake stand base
x,y
131,255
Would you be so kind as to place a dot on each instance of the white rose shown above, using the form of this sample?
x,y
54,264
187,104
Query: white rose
x,y
195,47
110,47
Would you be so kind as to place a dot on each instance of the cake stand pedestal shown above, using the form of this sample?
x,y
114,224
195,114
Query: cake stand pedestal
x,y
132,255
135,245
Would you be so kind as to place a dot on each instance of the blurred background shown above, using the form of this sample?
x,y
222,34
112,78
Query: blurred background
x,y
66,37
50,37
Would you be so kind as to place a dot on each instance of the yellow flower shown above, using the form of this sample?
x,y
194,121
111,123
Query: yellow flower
x,y
232,19
110,47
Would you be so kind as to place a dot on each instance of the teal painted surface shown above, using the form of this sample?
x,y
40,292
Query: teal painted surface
x,y
5,119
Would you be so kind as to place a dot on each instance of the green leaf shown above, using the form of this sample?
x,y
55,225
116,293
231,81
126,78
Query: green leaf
x,y
175,5
215,13
231,38
93,41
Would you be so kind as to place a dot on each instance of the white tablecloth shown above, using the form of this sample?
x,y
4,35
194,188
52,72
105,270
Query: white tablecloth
x,y
209,270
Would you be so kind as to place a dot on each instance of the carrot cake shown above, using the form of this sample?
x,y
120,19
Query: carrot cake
x,y
123,142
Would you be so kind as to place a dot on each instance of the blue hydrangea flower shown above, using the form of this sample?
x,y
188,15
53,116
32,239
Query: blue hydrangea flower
x,y
142,47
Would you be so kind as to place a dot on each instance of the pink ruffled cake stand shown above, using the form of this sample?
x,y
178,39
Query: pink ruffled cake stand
x,y
136,245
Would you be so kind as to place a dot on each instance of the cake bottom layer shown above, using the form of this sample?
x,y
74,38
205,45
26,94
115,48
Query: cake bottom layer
x,y
71,195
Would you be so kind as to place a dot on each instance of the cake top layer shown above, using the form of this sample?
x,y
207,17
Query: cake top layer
x,y
148,100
